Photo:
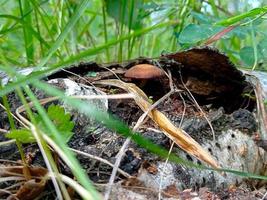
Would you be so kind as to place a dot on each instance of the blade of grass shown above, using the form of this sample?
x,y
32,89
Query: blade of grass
x,y
255,52
65,16
59,13
5,100
184,11
219,35
14,27
105,28
42,14
13,127
28,38
44,17
39,12
26,25
100,48
130,21
77,14
214,8
10,117
252,13
132,45
86,31
39,32
70,45
121,26
153,43
140,45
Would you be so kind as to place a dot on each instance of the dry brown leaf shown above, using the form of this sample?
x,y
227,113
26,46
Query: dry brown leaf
x,y
30,189
180,137
18,170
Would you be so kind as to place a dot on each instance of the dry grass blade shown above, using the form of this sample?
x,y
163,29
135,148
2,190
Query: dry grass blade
x,y
219,35
182,139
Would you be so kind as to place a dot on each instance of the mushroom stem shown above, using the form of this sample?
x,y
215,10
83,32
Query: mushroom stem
x,y
142,83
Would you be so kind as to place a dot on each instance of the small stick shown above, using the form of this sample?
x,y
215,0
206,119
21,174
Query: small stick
x,y
101,160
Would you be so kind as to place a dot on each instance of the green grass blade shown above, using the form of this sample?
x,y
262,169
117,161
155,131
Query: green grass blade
x,y
214,8
130,21
105,28
26,25
238,18
255,52
9,114
100,48
14,27
28,38
86,27
43,16
121,23
77,14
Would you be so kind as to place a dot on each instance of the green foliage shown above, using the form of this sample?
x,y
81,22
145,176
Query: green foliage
x,y
119,10
233,42
22,135
247,53
194,33
61,120
57,115
130,12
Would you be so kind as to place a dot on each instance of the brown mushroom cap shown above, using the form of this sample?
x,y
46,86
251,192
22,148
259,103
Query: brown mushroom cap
x,y
144,71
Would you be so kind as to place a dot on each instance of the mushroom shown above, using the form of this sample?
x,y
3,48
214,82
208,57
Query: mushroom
x,y
144,72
